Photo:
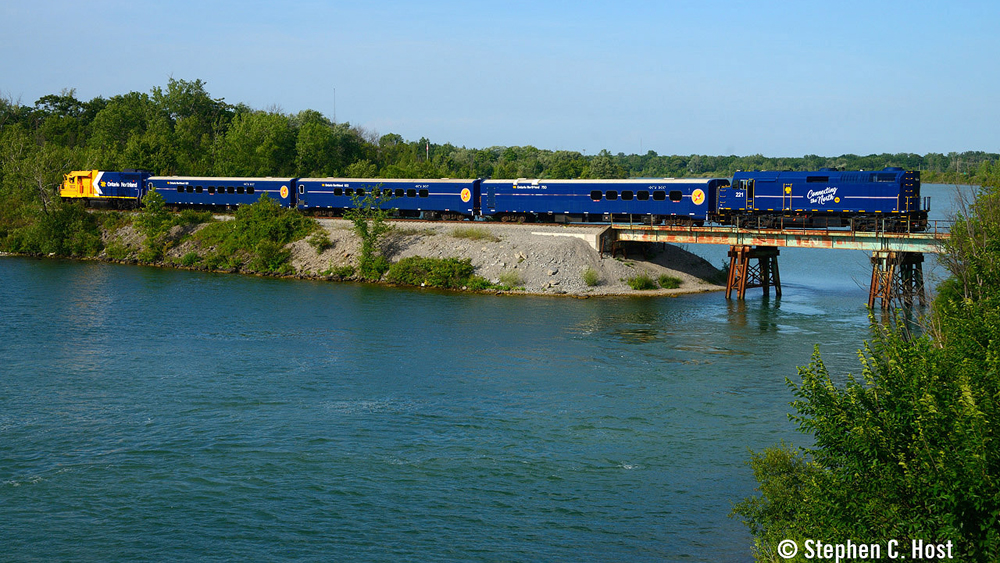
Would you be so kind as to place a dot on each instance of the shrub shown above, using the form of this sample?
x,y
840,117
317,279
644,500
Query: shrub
x,y
474,233
341,272
190,259
118,251
450,273
320,241
591,277
641,282
669,282
256,237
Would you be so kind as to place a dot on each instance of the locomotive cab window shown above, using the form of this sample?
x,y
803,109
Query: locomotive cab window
x,y
627,195
643,195
612,195
659,196
595,195
676,195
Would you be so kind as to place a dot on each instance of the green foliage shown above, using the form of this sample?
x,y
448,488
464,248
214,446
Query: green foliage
x,y
369,219
669,282
256,237
154,221
117,251
449,273
909,449
340,272
641,282
320,240
591,277
190,259
474,233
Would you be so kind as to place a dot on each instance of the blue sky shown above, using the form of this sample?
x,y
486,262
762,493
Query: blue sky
x,y
676,77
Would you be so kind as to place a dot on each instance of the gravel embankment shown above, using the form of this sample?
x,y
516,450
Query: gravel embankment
x,y
545,259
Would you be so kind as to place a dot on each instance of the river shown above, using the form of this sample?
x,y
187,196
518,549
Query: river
x,y
155,414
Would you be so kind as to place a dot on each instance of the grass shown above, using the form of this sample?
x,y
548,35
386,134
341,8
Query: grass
x,y
669,282
474,233
591,277
511,278
641,282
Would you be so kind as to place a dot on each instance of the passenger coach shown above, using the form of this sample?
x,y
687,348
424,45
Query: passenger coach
x,y
654,201
427,199
221,192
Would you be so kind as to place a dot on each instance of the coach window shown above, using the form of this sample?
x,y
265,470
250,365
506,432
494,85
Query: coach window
x,y
198,190
400,192
676,195
627,195
360,192
411,193
302,189
240,190
338,191
659,196
349,191
424,193
189,189
596,195
643,195
250,190
180,189
612,195
230,190
386,192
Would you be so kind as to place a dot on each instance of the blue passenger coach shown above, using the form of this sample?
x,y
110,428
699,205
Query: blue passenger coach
x,y
887,198
226,192
428,199
655,201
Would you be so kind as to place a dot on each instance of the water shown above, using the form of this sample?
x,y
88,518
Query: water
x,y
153,414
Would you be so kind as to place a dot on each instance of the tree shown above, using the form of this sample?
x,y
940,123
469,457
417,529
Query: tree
x,y
257,144
368,216
911,449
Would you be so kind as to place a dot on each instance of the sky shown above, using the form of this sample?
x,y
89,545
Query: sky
x,y
714,77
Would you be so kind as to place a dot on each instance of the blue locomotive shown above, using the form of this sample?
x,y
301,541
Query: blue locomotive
x,y
888,199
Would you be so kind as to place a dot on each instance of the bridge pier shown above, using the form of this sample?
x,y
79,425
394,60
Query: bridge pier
x,y
743,274
896,275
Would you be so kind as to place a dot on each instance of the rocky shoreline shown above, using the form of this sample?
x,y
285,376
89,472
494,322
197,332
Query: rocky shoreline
x,y
540,259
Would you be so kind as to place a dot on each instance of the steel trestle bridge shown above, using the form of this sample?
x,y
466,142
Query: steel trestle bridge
x,y
897,257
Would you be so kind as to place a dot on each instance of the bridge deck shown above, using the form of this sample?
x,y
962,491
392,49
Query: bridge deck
x,y
928,241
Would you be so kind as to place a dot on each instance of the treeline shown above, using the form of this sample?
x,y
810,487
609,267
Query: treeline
x,y
183,130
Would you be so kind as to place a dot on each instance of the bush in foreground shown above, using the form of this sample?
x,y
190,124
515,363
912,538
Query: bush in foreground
x,y
449,273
